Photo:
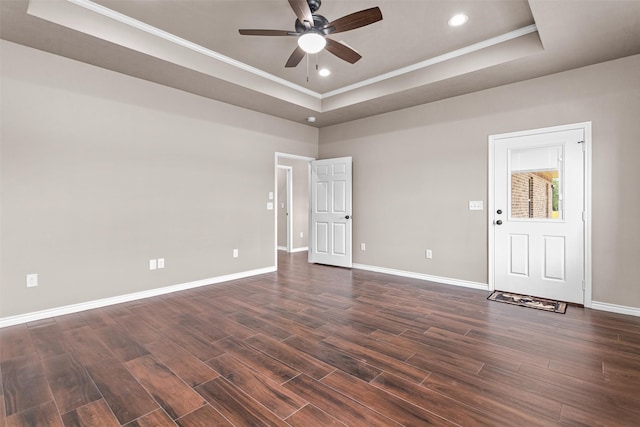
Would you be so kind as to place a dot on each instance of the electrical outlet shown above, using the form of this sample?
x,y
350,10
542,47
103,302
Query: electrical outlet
x,y
32,280
235,253
160,262
301,234
269,206
428,254
363,247
153,264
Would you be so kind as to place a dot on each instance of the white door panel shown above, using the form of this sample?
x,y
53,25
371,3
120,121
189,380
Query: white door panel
x,y
538,220
331,186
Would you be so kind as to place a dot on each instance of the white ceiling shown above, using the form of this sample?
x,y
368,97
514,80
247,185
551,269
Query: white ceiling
x,y
410,57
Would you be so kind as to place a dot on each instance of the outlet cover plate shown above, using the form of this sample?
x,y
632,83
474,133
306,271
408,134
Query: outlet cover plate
x,y
160,262
32,280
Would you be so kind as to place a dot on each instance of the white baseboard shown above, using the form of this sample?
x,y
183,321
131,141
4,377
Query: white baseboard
x,y
284,248
74,308
426,277
614,308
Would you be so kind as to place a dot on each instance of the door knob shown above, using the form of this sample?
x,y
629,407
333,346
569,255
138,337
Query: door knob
x,y
347,217
499,222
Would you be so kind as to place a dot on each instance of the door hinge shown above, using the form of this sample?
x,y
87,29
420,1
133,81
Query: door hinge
x,y
583,145
584,216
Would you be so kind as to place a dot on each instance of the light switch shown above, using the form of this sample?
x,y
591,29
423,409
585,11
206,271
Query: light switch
x,y
269,206
270,195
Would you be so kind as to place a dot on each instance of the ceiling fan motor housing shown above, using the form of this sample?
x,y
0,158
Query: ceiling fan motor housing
x,y
319,23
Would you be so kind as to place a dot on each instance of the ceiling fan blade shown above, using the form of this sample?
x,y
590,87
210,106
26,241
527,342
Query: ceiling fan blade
x,y
267,33
355,20
302,11
342,51
295,57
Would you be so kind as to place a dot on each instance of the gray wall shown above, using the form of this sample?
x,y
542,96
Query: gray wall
x,y
415,171
101,172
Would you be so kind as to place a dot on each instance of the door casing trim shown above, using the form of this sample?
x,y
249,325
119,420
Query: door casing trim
x,y
492,139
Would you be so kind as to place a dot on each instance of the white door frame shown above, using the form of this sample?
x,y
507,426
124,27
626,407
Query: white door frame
x,y
277,157
289,189
586,127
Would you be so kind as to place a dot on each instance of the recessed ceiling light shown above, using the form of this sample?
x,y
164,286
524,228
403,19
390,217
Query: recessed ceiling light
x,y
324,72
457,20
311,119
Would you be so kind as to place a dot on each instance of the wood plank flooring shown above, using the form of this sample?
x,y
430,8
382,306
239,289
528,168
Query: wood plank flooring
x,y
313,346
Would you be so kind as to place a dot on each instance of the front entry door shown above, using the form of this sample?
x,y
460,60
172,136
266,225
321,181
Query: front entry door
x,y
330,222
538,222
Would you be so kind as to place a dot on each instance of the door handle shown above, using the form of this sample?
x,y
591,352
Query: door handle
x,y
499,222
347,217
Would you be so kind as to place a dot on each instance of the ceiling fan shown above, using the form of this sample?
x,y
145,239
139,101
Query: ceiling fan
x,y
312,31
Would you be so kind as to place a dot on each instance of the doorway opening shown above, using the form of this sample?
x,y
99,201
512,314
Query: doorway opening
x,y
292,184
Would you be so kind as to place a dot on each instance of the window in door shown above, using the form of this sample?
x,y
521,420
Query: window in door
x,y
536,183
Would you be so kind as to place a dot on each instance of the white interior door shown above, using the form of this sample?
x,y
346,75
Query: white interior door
x,y
330,219
539,213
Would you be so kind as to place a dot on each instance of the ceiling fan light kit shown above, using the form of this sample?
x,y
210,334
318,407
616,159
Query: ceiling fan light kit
x,y
312,31
312,42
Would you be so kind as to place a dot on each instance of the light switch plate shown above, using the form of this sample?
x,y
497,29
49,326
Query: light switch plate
x,y
153,264
269,206
270,195
160,262
476,205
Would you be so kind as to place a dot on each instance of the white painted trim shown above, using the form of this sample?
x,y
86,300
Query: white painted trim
x,y
614,308
438,59
425,277
586,127
149,29
301,249
588,278
294,156
74,308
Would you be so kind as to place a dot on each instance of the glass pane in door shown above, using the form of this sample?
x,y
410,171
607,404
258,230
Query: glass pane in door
x,y
536,183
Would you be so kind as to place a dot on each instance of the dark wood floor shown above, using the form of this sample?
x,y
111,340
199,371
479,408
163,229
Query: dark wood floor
x,y
321,346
